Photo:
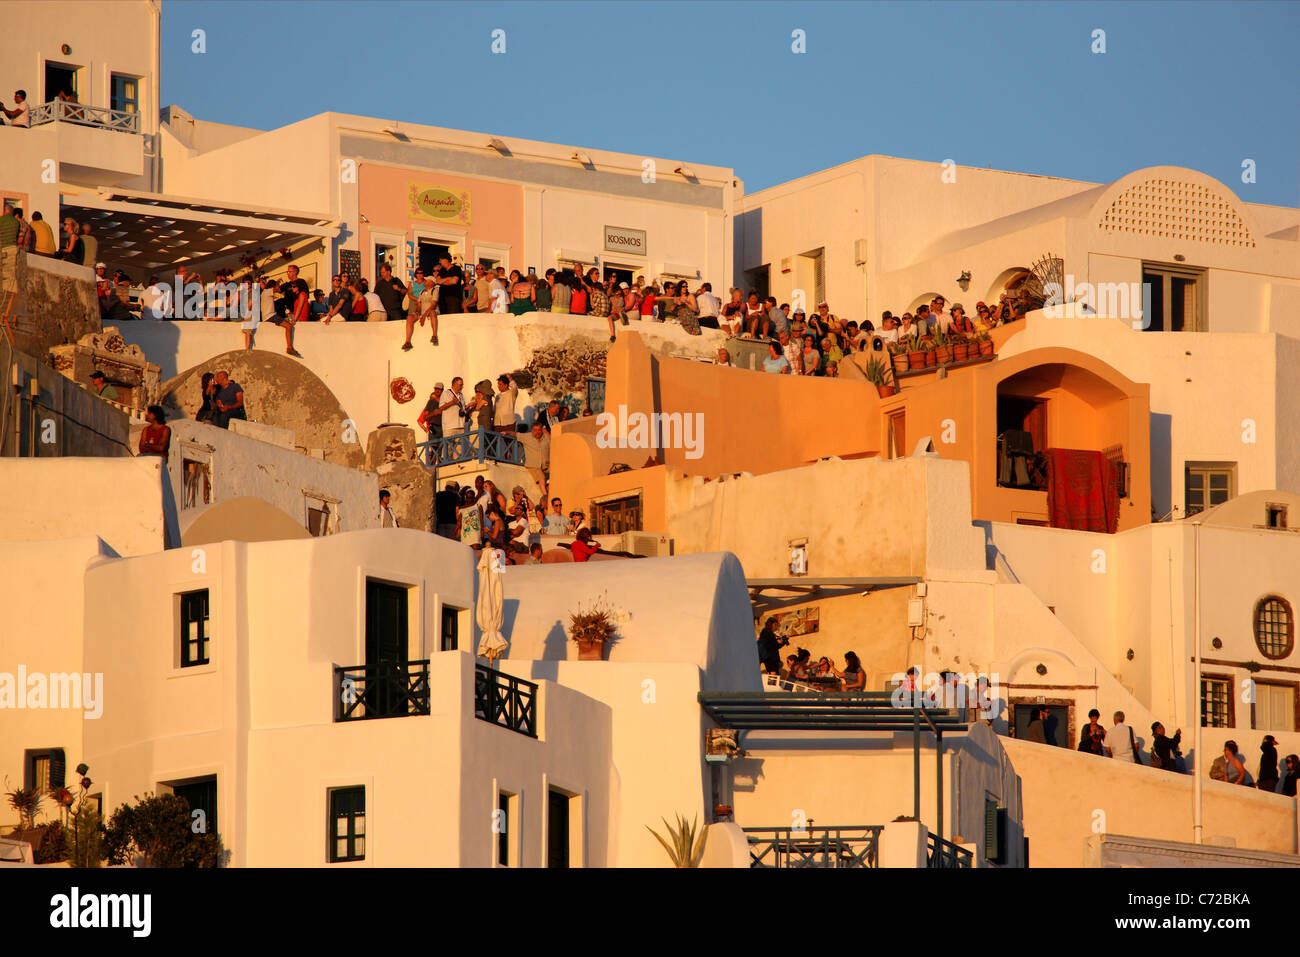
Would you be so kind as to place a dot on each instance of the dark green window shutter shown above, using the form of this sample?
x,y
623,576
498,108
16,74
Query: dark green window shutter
x,y
995,825
58,768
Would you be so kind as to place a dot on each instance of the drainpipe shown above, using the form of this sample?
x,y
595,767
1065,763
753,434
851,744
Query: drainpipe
x,y
1197,823
156,106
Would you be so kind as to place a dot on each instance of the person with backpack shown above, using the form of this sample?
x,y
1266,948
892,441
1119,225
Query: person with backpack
x,y
1120,742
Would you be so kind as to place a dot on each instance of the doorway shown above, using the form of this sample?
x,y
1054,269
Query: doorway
x,y
60,78
557,829
386,649
756,280
1060,725
620,273
430,252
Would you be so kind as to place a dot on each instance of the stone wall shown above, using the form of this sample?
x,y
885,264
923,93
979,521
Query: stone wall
x,y
46,302
125,367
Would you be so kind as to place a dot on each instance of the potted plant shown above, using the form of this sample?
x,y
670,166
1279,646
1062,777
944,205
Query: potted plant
x,y
915,353
960,349
684,850
898,355
591,627
931,357
878,375
943,344
985,344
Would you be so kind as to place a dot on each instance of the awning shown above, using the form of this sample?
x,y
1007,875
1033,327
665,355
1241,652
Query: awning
x,y
146,233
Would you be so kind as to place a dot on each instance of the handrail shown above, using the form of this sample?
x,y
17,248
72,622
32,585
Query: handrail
x,y
101,116
386,689
479,445
944,853
505,700
855,846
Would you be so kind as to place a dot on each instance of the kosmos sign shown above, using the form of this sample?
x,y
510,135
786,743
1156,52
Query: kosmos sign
x,y
620,240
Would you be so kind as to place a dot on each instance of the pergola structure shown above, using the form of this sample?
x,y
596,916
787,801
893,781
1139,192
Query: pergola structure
x,y
880,711
783,592
146,233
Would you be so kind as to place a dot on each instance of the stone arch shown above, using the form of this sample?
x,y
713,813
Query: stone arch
x,y
1175,204
279,391
1004,281
922,300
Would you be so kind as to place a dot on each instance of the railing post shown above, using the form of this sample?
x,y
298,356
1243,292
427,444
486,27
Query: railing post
x,y
482,446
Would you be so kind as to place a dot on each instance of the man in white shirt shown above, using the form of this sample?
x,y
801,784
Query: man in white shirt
x,y
497,294
387,518
709,305
537,449
793,350
503,407
452,408
157,300
1119,741
19,115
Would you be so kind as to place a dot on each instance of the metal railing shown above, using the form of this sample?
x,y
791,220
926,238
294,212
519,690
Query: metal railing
x,y
814,847
505,700
480,445
388,689
100,116
943,853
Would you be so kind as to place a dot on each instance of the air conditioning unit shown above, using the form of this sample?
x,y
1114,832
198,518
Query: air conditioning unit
x,y
859,252
648,544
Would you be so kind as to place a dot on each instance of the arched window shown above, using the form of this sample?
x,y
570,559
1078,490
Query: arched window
x,y
1274,627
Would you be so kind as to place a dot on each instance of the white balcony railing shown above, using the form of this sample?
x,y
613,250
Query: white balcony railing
x,y
98,116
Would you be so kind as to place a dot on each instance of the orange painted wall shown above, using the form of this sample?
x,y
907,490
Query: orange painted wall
x,y
496,209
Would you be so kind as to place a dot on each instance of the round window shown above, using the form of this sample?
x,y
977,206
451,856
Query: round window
x,y
1274,627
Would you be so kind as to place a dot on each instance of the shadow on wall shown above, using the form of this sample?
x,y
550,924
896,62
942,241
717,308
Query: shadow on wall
x,y
1161,464
278,391
994,559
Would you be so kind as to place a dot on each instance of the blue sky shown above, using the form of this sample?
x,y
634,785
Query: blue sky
x,y
1014,86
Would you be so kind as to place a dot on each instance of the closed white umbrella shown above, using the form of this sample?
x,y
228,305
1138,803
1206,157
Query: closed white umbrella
x,y
489,612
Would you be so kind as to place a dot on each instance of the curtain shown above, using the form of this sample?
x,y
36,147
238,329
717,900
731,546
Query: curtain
x,y
1081,491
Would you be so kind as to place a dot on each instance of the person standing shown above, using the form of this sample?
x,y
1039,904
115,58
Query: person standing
x,y
1092,740
1120,743
452,409
20,115
451,282
387,517
1036,731
10,226
101,386
1164,749
1292,771
89,244
431,419
300,311
391,291
156,438
709,306
769,647
1234,768
1267,778
503,412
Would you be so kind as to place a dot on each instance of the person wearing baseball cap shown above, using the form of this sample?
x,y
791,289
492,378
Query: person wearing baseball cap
x,y
101,387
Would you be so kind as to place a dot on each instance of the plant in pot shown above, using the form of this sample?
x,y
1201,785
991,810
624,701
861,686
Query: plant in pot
x,y
878,375
592,626
898,355
931,356
915,353
683,848
985,344
943,343
960,349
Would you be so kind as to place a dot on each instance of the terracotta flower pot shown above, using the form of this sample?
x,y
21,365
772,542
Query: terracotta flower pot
x,y
930,358
945,354
591,650
916,360
900,362
986,347
886,391
960,352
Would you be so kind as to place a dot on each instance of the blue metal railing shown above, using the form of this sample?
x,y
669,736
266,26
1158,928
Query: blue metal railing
x,y
481,445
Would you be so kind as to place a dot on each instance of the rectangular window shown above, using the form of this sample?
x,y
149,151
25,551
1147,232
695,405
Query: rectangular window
x,y
194,628
196,471
322,515
898,435
1274,516
1275,707
557,829
505,810
201,795
1208,484
347,824
616,516
126,93
1174,298
45,769
1216,702
450,628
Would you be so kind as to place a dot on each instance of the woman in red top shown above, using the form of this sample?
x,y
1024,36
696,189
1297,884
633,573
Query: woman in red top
x,y
300,311
648,301
584,547
578,301
359,309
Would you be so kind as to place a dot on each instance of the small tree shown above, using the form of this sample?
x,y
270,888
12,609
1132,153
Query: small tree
x,y
27,802
157,830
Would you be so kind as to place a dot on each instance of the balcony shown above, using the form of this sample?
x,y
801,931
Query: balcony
x,y
505,700
814,847
389,689
481,445
941,853
61,111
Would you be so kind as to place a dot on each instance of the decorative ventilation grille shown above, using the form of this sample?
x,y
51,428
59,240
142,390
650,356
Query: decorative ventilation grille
x,y
1170,209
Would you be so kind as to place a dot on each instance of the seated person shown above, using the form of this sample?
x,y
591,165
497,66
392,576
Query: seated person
x,y
852,678
585,546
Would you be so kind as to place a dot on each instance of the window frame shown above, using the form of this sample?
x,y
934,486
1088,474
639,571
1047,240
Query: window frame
x,y
1293,688
57,759
1290,626
204,640
1169,272
134,103
331,831
1230,710
1205,469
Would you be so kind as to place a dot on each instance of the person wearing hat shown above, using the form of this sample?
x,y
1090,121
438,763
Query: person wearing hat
x,y
431,417
1267,777
1164,750
101,387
